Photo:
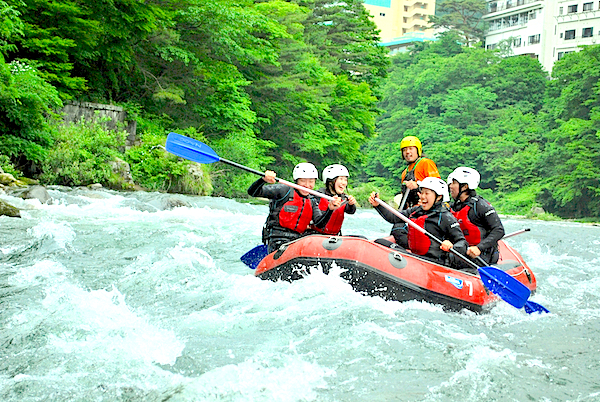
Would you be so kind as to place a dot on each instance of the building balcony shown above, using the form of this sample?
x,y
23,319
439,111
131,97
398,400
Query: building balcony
x,y
415,3
577,40
511,7
419,7
507,26
580,16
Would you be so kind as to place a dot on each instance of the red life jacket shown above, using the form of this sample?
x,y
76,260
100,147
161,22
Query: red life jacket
x,y
296,213
469,229
418,242
334,225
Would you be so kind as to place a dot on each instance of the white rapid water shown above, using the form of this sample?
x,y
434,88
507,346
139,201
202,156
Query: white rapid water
x,y
106,296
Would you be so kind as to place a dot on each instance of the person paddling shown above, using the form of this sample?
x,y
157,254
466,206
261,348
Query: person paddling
x,y
335,178
478,219
291,211
434,217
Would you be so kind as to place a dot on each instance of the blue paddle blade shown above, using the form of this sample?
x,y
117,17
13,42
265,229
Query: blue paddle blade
x,y
508,288
532,307
191,149
253,257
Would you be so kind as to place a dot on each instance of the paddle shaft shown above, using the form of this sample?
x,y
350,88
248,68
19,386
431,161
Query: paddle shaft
x,y
426,233
404,199
287,183
199,152
518,232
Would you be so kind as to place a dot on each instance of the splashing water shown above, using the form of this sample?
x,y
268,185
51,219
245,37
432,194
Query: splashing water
x,y
108,296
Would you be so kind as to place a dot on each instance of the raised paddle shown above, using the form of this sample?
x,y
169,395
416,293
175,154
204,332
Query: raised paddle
x,y
499,282
194,150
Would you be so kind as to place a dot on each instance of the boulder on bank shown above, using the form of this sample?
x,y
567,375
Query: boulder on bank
x,y
9,180
537,211
9,210
36,192
123,171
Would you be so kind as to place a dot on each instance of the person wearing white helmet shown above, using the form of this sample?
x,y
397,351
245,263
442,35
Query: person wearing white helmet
x,y
432,215
478,219
291,211
335,178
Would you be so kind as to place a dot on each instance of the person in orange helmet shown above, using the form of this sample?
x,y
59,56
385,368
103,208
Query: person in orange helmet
x,y
419,168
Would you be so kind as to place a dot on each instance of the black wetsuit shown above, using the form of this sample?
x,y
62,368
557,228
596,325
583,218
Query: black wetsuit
x,y
439,222
487,229
274,234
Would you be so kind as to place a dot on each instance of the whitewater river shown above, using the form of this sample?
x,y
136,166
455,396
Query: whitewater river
x,y
107,296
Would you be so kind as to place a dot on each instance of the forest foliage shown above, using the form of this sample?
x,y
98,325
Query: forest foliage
x,y
269,83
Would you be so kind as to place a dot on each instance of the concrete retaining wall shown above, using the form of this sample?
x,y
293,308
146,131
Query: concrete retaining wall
x,y
75,111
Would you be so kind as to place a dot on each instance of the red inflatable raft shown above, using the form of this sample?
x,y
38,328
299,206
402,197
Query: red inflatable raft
x,y
376,270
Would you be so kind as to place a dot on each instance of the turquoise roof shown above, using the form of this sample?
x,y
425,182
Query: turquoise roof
x,y
408,38
380,3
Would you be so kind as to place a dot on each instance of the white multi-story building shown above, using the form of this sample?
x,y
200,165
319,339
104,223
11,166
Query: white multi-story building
x,y
544,29
577,23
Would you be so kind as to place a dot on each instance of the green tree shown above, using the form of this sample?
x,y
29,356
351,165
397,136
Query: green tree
x,y
570,156
575,90
11,26
307,110
346,39
453,99
25,102
518,81
571,168
464,16
84,47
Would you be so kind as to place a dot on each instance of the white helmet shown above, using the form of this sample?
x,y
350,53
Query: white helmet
x,y
437,185
465,175
305,170
333,171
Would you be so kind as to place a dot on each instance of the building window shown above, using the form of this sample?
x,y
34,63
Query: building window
x,y
570,34
533,39
587,32
588,6
508,3
572,9
563,54
560,10
561,35
517,42
405,8
520,2
491,47
493,7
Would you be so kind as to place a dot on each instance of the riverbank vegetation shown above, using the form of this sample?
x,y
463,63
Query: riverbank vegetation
x,y
272,83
